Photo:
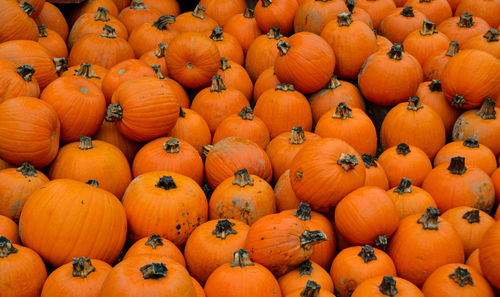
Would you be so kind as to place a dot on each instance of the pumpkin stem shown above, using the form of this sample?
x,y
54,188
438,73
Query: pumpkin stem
x,y
266,3
26,72
27,169
137,5
274,33
199,12
297,135
85,143
369,160
223,229
342,112
161,50
108,32
246,113
435,85
28,8
404,186
461,277
92,182
42,31
157,70
182,113
428,1
248,13
166,183
472,216
154,271
162,22
347,161
491,35
171,146
206,149
224,64
428,28
333,83
241,259
154,241
458,101
102,15
414,103
310,238
457,166
303,212
388,286
242,178
217,84
311,289
367,254
82,267
60,64
344,19
285,87
396,51
471,142
351,4
407,11
381,242
283,47
466,20
452,49
114,111
305,268
6,247
217,34
487,110
403,149
86,70
430,219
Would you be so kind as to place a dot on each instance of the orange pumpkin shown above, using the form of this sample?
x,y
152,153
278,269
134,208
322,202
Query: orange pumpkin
x,y
92,7
52,42
375,174
17,81
92,72
146,36
235,76
323,12
110,134
489,42
192,128
463,27
300,276
433,68
266,80
228,46
9,229
166,7
221,11
283,193
244,27
137,14
181,94
409,199
156,57
473,261
311,288
156,245
435,11
377,9
495,178
426,43
383,44
358,13
488,250
381,286
485,9
195,21
276,13
400,22
17,21
53,18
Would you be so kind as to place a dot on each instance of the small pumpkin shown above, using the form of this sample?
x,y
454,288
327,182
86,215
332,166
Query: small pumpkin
x,y
399,23
52,41
156,56
235,76
473,261
461,28
147,35
192,128
433,68
244,28
137,14
381,286
300,276
485,9
435,11
409,199
266,80
489,42
221,11
195,21
110,134
17,81
375,174
53,18
91,7
377,9
92,72
426,43
358,13
276,13
166,7
228,46
311,289
181,94
156,245
9,229
322,10
283,193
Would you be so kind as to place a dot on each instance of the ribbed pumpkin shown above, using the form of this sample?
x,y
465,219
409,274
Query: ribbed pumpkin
x,y
300,276
283,193
399,23
166,7
377,9
244,27
409,199
192,128
9,229
283,108
26,270
266,80
488,251
433,68
235,76
212,244
92,72
181,94
425,43
322,10
164,203
17,21
473,261
418,239
29,131
353,265
463,27
276,13
144,108
147,35
221,11
195,21
16,186
137,14
375,174
110,134
156,245
36,4
489,42
235,278
91,7
311,288
52,41
228,46
358,13
17,81
156,56
82,276
435,11
324,171
485,9
383,44
52,17
382,286
388,78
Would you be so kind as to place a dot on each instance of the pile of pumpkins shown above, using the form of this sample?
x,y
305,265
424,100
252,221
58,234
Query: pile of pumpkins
x,y
229,151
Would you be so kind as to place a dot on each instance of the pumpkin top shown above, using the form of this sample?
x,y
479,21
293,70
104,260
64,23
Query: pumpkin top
x,y
246,113
388,286
491,35
381,242
157,70
166,183
347,161
223,229
27,169
344,19
462,277
199,12
154,270
162,22
452,49
333,83
274,33
266,3
471,142
42,31
283,47
435,85
285,87
82,267
217,84
396,52
428,28
351,4
242,178
403,149
342,111
102,15
305,268
182,113
310,238
472,216
85,143
407,11
92,182
414,103
86,70
108,32
26,72
248,13
161,50
61,64
457,166
154,241
297,135
430,219
171,146
369,160
217,34
241,259
6,247
466,20
28,8
404,186
224,64
311,289
367,254
137,5
114,111
303,211
487,110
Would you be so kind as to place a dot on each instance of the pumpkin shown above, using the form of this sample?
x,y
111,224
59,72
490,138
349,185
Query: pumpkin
x,y
352,42
244,28
381,286
212,244
425,43
377,9
198,288
110,134
69,224
52,42
281,241
79,104
433,68
463,27
30,131
53,18
283,108
91,7
181,94
290,66
166,7
383,44
18,24
283,193
222,11
313,15
192,59
488,10
156,245
435,11
146,275
398,72
266,80
409,199
353,265
147,35
300,276
358,13
235,278
399,23
195,21
16,187
456,280
156,56
311,289
473,261
227,45
169,154
235,76
83,275
324,171
489,42
276,13
334,92
471,224
25,270
488,254
137,14
17,81
375,174
94,73
9,229
495,178
192,128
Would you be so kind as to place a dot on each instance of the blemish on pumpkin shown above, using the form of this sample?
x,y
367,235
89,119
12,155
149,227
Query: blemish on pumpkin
x,y
84,90
122,71
190,65
53,135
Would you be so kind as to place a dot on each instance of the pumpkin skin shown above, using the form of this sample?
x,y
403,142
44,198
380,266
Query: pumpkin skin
x,y
158,202
235,76
381,286
266,80
192,128
235,276
300,276
375,174
463,27
433,68
194,21
17,81
425,43
93,73
137,14
110,134
353,265
52,41
169,154
495,178
473,261
151,274
243,27
75,222
383,44
488,10
181,94
277,13
91,7
16,186
198,288
399,23
290,66
25,27
147,35
416,242
471,225
487,255
409,199
313,16
212,244
221,11
156,56
52,17
9,229
156,245
166,7
435,11
30,131
335,164
377,9
26,270
488,42
227,44
456,280
283,193
79,278
311,289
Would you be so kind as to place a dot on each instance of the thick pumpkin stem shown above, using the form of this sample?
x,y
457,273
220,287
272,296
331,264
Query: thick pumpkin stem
x,y
344,19
303,211
403,149
206,149
26,72
367,254
266,3
182,113
452,49
333,83
466,20
223,229
171,146
404,186
305,268
154,271
108,32
82,267
241,259
487,110
461,277
28,8
428,28
248,13
217,34
161,50
430,219
342,112
381,242
274,33
166,183
351,4
388,286
157,70
396,51
92,182
297,135
414,103
246,113
217,84
311,289
471,142
347,161
224,64
162,22
86,70
154,241
6,247
369,160
457,166
285,87
458,100
137,5
242,178
491,35
199,12
435,85
114,111
283,47
102,15
27,169
85,143
60,64
42,31
407,11
310,238
472,216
